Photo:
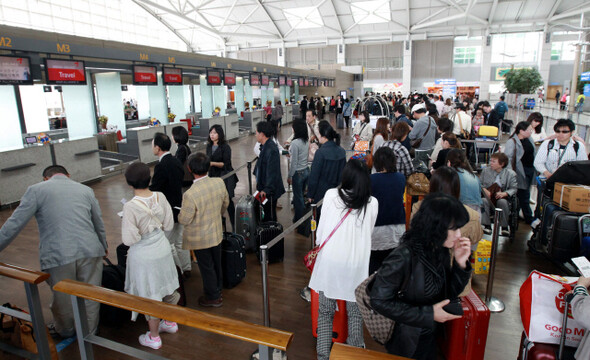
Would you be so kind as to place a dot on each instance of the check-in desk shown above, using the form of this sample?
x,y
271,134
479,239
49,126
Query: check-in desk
x,y
80,157
288,116
296,112
107,141
167,129
130,124
251,118
232,126
139,143
20,169
202,126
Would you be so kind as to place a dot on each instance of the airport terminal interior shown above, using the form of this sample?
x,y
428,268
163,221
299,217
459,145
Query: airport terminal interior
x,y
87,84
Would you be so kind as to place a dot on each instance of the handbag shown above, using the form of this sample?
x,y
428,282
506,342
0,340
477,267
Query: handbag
x,y
417,142
311,256
418,184
464,134
493,189
380,327
313,146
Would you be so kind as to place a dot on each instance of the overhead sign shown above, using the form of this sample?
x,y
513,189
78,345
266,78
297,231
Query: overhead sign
x,y
585,76
172,76
15,70
587,90
65,72
445,82
145,75
229,78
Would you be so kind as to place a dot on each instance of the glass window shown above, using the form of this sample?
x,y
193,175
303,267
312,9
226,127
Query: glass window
x,y
563,50
467,55
515,48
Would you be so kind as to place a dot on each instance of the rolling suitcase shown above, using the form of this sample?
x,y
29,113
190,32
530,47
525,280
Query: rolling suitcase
x,y
339,324
584,232
233,259
247,219
465,338
113,277
537,351
265,232
563,237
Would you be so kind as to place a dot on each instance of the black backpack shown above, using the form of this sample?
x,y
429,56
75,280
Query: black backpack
x,y
552,144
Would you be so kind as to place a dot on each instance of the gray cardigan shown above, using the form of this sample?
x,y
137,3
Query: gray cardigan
x,y
507,178
419,129
509,149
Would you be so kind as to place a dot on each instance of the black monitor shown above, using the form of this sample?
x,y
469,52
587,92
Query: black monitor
x,y
214,77
65,72
15,70
172,76
145,75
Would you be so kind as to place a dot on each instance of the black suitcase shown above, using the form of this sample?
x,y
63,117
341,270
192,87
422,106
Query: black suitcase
x,y
547,221
247,219
265,232
564,241
113,277
233,259
573,172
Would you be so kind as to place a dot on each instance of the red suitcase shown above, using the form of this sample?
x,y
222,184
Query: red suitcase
x,y
465,338
340,324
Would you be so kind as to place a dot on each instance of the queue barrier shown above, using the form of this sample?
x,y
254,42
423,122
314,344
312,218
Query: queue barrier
x,y
347,352
265,337
31,280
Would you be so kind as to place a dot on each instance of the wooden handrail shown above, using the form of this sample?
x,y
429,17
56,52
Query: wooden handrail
x,y
236,329
22,274
347,352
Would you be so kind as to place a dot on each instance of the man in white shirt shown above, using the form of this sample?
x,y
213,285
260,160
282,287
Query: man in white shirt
x,y
556,152
439,104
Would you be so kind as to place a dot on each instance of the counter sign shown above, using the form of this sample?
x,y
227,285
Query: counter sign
x,y
65,72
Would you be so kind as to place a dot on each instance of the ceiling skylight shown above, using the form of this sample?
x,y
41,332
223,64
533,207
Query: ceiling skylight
x,y
304,17
371,12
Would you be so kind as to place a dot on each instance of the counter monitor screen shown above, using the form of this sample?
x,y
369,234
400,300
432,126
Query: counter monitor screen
x,y
172,76
301,82
306,82
289,81
265,80
31,139
214,77
145,75
229,78
66,72
254,79
282,80
15,70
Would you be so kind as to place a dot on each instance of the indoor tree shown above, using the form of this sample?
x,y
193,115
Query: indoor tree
x,y
523,81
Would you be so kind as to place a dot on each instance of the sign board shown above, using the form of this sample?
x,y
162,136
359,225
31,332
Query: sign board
x,y
145,75
254,79
585,76
213,77
229,78
445,82
70,72
172,76
587,91
15,70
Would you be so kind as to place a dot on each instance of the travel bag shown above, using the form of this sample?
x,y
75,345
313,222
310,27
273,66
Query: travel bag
x,y
247,219
113,278
465,338
339,324
563,237
265,232
488,131
584,232
233,259
573,172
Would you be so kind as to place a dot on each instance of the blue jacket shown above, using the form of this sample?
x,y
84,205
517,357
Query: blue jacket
x,y
389,189
326,170
268,171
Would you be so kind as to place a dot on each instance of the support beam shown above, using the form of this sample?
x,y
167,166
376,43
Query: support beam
x,y
570,13
493,12
433,15
270,18
228,14
337,18
438,21
553,9
409,17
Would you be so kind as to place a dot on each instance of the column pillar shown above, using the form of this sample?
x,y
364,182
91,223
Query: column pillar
x,y
281,56
239,94
407,68
283,93
270,93
544,59
206,98
157,99
341,53
248,92
486,68
296,90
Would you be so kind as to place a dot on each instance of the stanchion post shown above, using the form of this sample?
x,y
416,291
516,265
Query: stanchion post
x,y
314,212
250,177
265,295
494,304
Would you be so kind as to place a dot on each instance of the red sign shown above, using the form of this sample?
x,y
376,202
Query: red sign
x,y
145,75
213,77
289,81
306,82
172,76
265,79
65,72
229,78
254,79
282,80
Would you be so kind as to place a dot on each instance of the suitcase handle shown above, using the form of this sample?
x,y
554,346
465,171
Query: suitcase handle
x,y
568,299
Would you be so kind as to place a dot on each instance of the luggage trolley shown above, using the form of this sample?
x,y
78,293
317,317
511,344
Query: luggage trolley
x,y
486,140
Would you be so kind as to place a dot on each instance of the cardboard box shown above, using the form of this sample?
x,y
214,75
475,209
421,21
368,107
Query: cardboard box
x,y
574,198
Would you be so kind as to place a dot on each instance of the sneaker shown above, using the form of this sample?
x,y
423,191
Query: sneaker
x,y
147,340
487,230
535,223
504,232
168,327
203,301
305,294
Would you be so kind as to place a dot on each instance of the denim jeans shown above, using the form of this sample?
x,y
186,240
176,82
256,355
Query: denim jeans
x,y
299,184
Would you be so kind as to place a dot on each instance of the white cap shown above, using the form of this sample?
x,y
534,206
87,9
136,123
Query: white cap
x,y
418,106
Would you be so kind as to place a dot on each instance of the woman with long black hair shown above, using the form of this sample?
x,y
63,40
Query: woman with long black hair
x,y
219,151
419,277
349,215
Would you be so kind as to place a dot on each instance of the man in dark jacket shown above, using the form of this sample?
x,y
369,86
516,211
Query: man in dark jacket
x,y
303,107
492,118
167,179
268,170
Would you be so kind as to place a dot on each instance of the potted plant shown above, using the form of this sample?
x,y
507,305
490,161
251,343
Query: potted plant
x,y
523,83
171,117
103,120
217,111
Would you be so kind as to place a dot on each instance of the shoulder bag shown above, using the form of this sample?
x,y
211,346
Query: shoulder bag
x,y
311,256
464,134
416,143
313,146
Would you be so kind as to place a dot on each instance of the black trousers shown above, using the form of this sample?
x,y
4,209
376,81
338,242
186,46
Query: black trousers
x,y
209,261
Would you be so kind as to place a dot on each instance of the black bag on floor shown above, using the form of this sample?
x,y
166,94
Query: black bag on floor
x,y
180,290
233,259
573,172
265,232
507,125
113,277
563,236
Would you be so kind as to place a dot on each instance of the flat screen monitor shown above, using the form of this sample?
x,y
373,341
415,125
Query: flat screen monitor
x,y
172,76
282,80
306,82
264,80
254,79
65,72
301,82
315,82
145,75
214,77
229,78
15,70
289,81
31,139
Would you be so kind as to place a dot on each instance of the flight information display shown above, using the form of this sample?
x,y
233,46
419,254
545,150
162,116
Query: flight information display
x,y
15,70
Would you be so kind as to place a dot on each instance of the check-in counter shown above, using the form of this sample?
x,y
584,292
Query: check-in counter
x,y
288,117
20,169
107,141
251,118
139,143
167,129
296,112
130,124
232,126
80,157
202,126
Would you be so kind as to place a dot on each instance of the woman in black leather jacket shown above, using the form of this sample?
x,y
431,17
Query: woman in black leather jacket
x,y
424,260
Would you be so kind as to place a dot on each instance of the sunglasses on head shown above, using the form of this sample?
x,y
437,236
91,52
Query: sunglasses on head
x,y
563,131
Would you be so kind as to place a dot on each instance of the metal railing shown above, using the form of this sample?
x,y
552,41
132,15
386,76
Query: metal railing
x,y
235,171
494,304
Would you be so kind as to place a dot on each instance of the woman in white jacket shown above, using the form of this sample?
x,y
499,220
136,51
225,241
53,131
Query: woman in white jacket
x,y
363,130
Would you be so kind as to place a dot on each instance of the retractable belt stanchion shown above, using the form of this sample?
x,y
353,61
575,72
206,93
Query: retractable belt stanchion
x,y
494,304
314,216
250,177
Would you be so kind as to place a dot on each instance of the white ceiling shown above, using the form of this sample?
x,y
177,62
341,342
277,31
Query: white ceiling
x,y
232,25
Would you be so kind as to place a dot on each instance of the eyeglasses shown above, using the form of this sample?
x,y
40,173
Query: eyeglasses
x,y
563,131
